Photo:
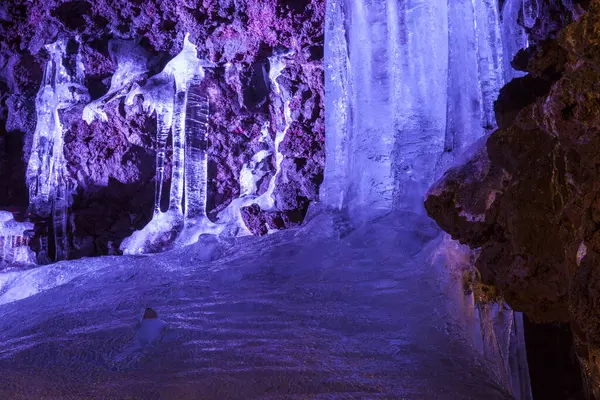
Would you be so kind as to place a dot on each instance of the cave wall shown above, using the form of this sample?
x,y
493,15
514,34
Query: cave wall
x,y
527,201
112,164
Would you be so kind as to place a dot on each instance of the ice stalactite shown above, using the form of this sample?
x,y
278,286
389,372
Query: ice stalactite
x,y
166,94
502,341
230,218
14,242
494,330
131,60
47,177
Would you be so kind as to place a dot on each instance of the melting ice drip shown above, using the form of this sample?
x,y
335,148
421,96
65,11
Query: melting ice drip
x,y
47,176
252,172
14,244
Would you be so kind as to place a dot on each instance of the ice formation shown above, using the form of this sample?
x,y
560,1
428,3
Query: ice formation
x,y
132,65
273,305
14,241
409,87
402,106
181,110
514,36
196,221
47,177
230,218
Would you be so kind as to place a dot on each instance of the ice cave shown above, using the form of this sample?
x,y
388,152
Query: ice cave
x,y
300,199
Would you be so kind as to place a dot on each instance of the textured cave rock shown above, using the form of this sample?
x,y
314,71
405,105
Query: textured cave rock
x,y
112,164
539,180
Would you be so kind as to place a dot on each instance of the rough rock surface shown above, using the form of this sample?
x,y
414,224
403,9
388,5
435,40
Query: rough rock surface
x,y
533,209
112,164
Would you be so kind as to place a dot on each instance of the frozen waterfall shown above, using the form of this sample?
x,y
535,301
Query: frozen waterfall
x,y
47,177
409,86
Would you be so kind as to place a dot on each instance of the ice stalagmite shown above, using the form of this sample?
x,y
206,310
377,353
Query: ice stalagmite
x,y
47,176
166,94
14,243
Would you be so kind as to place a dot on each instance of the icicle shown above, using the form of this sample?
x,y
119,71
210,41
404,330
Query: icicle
x,y
504,346
47,176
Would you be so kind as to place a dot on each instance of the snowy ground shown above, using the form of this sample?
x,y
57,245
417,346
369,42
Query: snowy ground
x,y
323,312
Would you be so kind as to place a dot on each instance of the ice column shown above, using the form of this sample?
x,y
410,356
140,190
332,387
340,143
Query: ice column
x,y
47,176
196,120
167,94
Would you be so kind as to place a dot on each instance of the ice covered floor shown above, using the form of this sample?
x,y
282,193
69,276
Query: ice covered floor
x,y
295,315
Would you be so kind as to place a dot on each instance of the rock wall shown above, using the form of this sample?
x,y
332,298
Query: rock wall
x,y
112,164
529,198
